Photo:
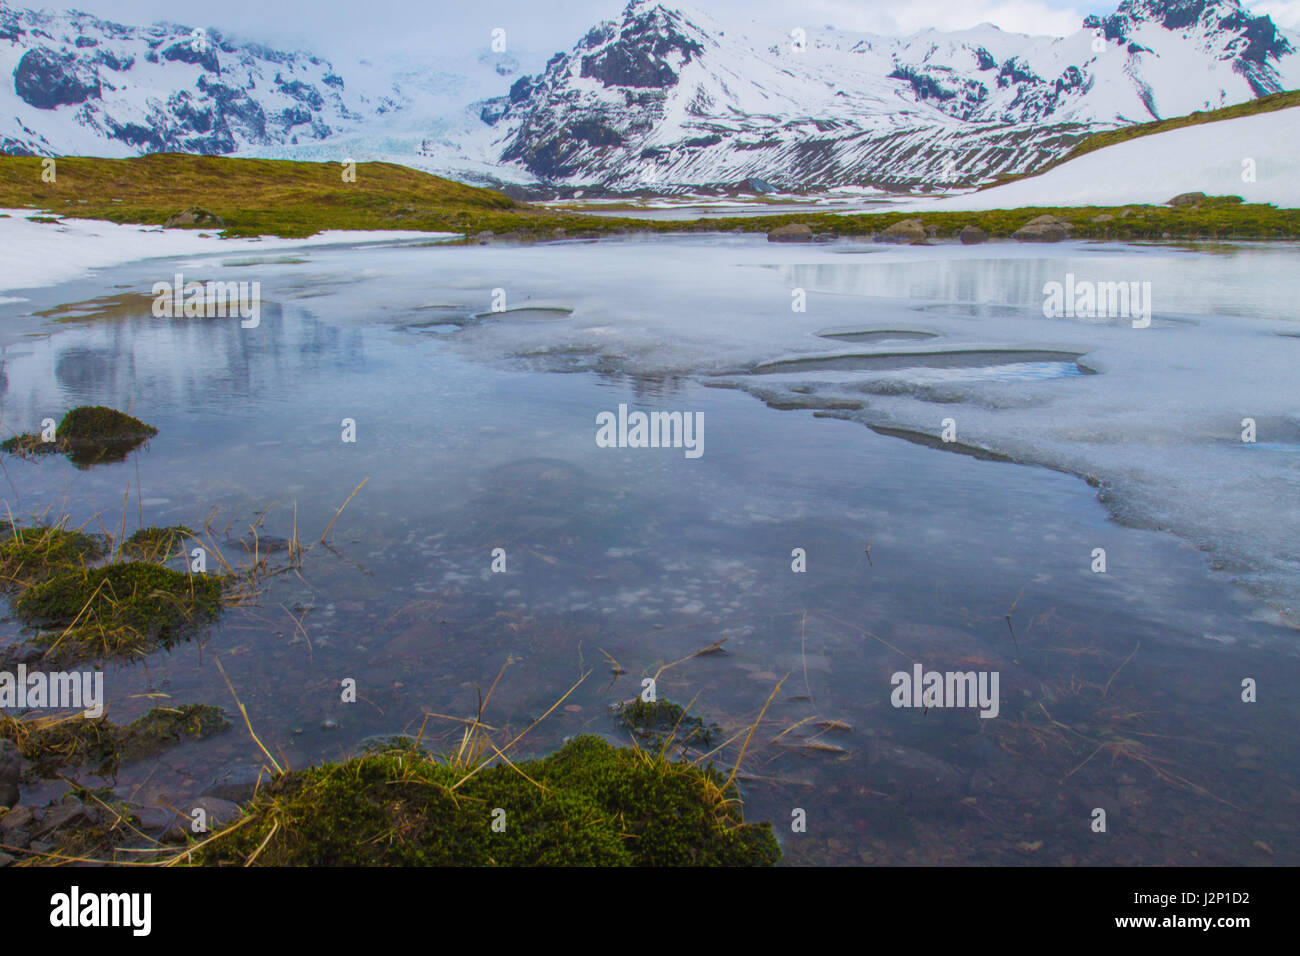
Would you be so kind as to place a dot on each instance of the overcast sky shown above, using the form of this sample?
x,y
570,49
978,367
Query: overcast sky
x,y
346,29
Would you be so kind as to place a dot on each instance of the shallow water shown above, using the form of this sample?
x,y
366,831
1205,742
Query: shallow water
x,y
1118,691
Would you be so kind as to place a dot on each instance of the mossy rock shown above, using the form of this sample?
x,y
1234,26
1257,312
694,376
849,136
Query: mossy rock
x,y
29,555
88,435
661,721
589,804
101,745
95,434
119,610
30,443
99,423
157,544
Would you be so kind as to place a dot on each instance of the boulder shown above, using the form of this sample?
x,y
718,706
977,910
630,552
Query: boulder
x,y
970,235
908,230
1042,229
16,818
194,217
795,232
1186,199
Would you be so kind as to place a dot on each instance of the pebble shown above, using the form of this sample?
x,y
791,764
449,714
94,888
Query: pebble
x,y
218,812
67,814
328,725
17,817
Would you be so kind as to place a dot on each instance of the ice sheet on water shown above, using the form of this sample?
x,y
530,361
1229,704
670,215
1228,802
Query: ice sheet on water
x,y
1161,423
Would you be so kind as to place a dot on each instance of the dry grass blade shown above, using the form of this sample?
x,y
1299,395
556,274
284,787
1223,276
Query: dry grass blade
x,y
753,728
329,526
713,648
248,723
520,736
1106,690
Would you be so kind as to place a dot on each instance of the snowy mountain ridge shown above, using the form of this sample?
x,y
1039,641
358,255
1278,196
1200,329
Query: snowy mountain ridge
x,y
664,98
668,96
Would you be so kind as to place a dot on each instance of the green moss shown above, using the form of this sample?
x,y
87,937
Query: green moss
x,y
97,743
29,555
30,443
88,435
589,804
662,720
99,423
157,544
165,727
117,610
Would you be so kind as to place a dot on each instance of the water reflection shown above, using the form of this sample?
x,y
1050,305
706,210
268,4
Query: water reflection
x,y
1119,690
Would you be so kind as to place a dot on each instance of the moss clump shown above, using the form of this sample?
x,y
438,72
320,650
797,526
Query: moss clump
x,y
589,804
659,721
29,555
157,544
50,744
96,434
88,435
117,610
99,423
30,443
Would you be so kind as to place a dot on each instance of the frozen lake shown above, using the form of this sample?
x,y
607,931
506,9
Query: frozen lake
x,y
475,376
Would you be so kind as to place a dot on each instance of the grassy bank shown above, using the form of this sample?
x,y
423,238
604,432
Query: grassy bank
x,y
265,196
295,199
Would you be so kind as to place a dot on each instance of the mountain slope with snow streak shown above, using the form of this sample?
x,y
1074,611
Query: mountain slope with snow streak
x,y
1250,156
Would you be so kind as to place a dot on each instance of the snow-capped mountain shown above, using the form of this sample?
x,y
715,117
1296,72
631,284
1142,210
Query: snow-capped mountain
x,y
668,97
664,98
81,85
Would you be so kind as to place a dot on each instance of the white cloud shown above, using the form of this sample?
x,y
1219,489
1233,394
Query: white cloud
x,y
890,18
1285,13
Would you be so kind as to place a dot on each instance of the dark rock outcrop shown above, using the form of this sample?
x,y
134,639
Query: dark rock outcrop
x,y
45,79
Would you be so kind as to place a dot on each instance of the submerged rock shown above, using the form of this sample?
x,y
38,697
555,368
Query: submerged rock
x,y
117,610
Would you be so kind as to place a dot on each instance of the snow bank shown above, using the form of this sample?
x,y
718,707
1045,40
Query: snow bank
x,y
42,253
1210,158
